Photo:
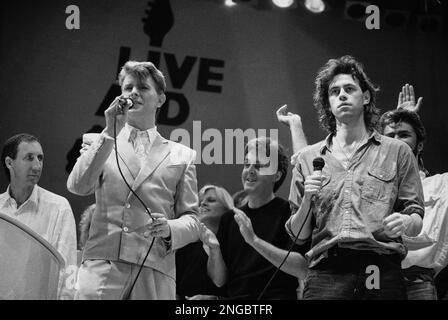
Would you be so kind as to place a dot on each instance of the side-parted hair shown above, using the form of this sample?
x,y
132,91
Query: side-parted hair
x,y
282,158
222,195
334,67
396,116
10,148
142,70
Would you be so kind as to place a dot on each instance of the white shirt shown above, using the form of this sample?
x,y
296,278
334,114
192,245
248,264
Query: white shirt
x,y
51,216
435,226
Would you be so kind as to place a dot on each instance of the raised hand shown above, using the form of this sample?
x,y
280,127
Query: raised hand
x,y
406,99
288,118
294,122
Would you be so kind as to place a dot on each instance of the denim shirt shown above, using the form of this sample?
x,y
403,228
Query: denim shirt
x,y
381,178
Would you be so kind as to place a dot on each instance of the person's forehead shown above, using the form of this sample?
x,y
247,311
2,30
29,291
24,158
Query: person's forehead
x,y
342,79
255,154
131,78
29,147
210,193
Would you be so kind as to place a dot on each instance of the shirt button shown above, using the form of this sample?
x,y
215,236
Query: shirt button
x,y
146,234
125,229
127,205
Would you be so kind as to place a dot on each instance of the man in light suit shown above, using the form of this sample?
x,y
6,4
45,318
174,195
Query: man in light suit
x,y
162,207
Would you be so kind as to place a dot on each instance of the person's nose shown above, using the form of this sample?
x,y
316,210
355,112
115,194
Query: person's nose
x,y
251,170
134,93
37,165
342,95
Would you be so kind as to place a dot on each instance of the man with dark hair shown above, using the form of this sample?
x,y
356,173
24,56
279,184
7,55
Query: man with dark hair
x,y
146,196
46,213
345,66
422,263
251,241
367,196
406,126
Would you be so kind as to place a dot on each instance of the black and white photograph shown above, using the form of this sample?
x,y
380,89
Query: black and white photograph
x,y
242,152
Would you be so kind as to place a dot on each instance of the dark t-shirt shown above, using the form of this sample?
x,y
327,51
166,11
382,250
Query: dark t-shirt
x,y
191,272
248,271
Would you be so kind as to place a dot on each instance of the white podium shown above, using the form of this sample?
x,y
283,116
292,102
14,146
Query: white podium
x,y
29,265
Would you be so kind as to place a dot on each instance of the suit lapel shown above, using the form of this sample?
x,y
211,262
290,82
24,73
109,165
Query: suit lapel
x,y
158,152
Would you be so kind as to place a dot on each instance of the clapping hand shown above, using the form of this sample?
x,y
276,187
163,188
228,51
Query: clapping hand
x,y
208,237
245,225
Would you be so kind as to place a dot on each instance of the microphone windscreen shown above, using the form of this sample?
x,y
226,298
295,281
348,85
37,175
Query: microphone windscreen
x,y
129,103
318,164
126,102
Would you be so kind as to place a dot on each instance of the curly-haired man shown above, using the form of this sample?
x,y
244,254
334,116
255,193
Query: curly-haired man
x,y
356,209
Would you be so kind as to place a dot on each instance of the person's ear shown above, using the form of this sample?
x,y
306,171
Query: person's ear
x,y
162,99
8,162
366,97
278,175
419,147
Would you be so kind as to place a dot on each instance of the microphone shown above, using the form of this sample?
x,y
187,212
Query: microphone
x,y
318,165
125,102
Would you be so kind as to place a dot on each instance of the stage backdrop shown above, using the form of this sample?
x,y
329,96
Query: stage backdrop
x,y
226,68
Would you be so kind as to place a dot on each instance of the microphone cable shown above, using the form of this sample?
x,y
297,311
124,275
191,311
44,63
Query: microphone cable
x,y
286,257
126,297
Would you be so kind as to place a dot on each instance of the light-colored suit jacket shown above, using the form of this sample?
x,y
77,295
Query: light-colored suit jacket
x,y
166,183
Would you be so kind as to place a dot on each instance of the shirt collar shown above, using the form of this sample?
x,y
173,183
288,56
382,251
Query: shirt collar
x,y
132,132
374,136
33,199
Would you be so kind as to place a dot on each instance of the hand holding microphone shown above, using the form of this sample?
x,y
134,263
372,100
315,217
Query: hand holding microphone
x,y
117,111
313,182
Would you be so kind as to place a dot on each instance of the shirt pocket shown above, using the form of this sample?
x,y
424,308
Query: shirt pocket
x,y
379,185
